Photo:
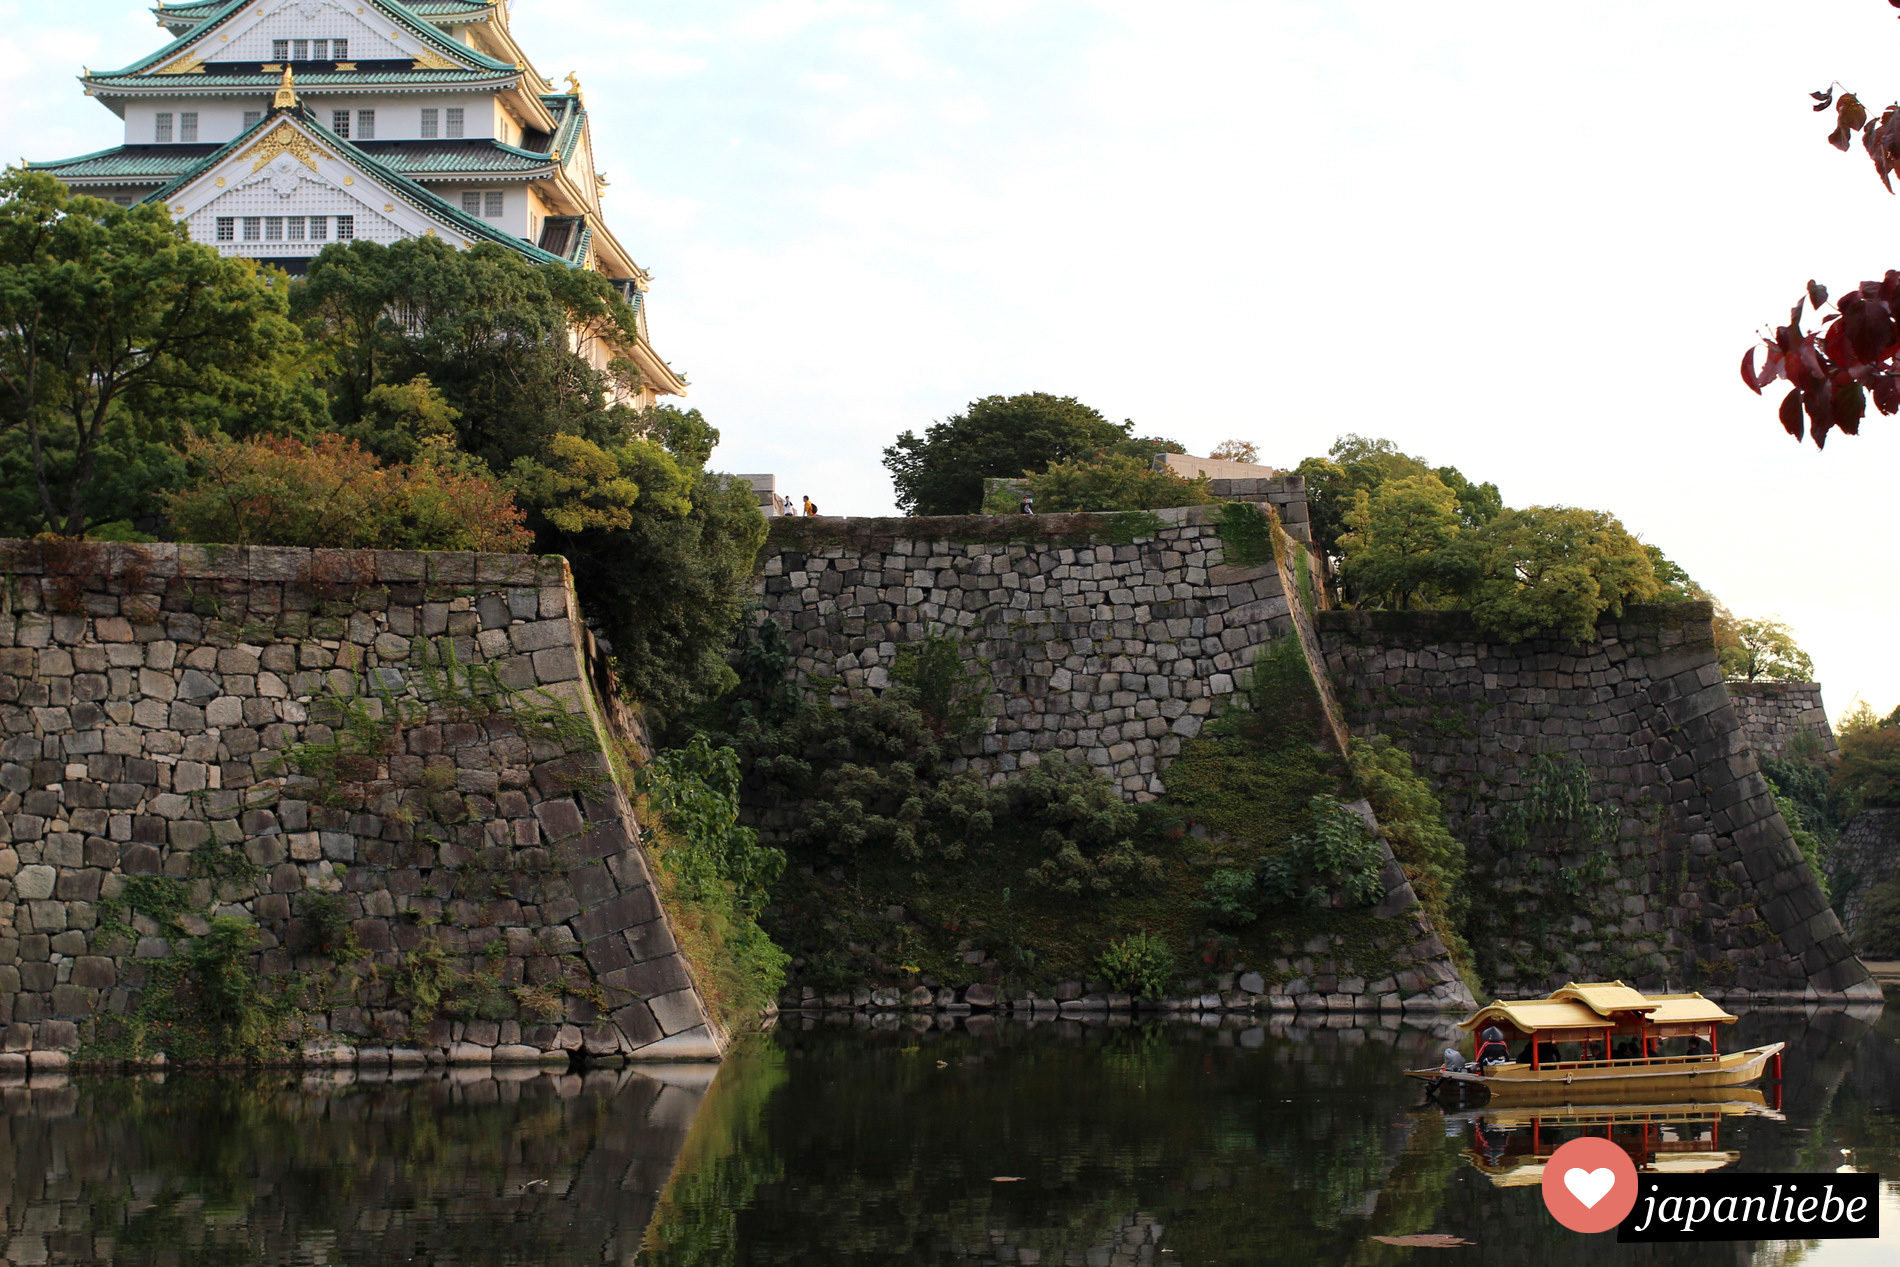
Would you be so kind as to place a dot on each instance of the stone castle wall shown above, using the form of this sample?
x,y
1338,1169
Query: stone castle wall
x,y
1783,719
397,749
1866,857
1114,653
1706,888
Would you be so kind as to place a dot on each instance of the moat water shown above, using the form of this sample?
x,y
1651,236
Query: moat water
x,y
840,1143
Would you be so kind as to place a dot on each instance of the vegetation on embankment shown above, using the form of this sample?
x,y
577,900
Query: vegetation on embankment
x,y
903,870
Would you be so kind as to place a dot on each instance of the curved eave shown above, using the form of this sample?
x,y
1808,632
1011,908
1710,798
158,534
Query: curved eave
x,y
421,81
658,376
414,23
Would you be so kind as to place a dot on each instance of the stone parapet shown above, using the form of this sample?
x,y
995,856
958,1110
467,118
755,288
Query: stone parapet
x,y
1783,719
395,751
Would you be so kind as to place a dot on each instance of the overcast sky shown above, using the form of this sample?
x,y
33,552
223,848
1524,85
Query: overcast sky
x,y
1529,240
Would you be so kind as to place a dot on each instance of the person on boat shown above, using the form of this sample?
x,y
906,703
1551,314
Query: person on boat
x,y
1454,1061
1491,1049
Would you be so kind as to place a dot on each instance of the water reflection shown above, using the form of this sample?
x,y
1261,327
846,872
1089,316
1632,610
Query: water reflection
x,y
451,1168
858,1143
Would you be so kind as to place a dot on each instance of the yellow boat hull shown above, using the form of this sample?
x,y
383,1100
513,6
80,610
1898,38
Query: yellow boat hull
x,y
1599,1084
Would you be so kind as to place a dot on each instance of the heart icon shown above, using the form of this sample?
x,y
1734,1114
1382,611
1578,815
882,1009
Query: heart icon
x,y
1590,1186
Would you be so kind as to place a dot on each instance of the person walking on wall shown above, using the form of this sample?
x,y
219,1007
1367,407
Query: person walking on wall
x,y
811,507
1028,506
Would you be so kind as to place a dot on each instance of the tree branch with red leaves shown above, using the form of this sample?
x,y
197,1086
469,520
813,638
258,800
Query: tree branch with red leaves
x,y
1832,372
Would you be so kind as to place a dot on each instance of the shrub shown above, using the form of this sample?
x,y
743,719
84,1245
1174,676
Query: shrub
x,y
1553,571
1880,921
282,492
1140,964
1869,771
1112,481
1230,898
1413,821
1336,861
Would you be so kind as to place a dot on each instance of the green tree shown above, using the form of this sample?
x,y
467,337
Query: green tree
x,y
1003,437
1113,481
1869,769
116,331
1554,571
1406,545
420,337
1765,651
1357,464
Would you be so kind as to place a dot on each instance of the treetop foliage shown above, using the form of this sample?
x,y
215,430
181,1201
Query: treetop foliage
x,y
1002,437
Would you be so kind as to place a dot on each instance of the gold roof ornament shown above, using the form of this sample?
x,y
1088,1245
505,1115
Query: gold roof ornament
x,y
574,87
286,98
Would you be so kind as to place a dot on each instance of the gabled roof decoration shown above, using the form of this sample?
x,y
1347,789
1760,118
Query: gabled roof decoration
x,y
402,15
397,183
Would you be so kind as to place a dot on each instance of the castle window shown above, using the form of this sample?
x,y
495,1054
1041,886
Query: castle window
x,y
300,50
293,229
346,228
319,50
188,126
280,50
340,50
340,123
252,118
492,206
429,116
227,229
253,228
365,125
472,203
273,228
319,228
455,121
162,126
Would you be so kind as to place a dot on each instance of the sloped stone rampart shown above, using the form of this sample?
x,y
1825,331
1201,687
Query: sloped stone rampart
x,y
152,701
1708,889
1114,653
1783,719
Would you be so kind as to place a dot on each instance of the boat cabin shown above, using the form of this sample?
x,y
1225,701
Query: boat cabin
x,y
1608,1024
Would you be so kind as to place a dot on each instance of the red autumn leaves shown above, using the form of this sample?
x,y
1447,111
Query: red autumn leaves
x,y
1833,371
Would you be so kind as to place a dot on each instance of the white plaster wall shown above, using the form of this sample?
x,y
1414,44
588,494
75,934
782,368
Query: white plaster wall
x,y
399,115
219,118
248,39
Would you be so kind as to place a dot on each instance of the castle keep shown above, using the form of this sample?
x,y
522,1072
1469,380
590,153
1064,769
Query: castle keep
x,y
273,128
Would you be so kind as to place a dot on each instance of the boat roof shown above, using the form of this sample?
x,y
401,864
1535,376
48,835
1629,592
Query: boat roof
x,y
1598,1005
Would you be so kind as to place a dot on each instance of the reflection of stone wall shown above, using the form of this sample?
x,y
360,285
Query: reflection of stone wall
x,y
1867,856
152,704
1781,719
1708,887
469,1168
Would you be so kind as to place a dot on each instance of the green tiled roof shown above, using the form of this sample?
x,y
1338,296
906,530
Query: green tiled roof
x,y
133,162
315,79
448,8
415,158
402,14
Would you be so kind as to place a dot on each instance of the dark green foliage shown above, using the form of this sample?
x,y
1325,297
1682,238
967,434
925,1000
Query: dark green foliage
x,y
1246,533
940,677
1140,965
1231,898
1869,770
1413,821
695,791
1357,464
763,661
117,334
1092,837
1003,437
1556,810
327,923
1336,861
1880,922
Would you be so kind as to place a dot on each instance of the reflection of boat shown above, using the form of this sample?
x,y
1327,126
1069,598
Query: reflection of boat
x,y
1602,1040
1509,1145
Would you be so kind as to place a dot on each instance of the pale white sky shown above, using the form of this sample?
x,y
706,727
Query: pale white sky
x,y
1530,240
